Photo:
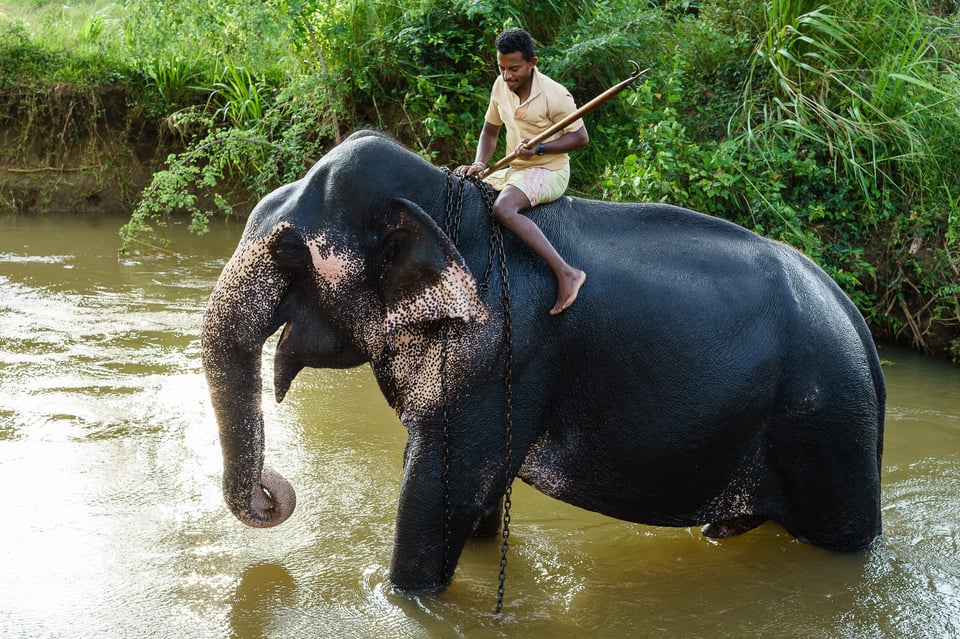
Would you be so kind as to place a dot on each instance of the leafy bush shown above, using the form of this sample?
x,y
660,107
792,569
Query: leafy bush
x,y
843,144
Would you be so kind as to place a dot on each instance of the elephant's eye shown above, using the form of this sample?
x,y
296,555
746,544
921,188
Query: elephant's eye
x,y
289,250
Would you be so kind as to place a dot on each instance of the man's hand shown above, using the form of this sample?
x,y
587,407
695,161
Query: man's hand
x,y
523,152
474,169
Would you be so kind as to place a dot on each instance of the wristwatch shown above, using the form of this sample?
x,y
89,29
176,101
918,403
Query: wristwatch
x,y
541,149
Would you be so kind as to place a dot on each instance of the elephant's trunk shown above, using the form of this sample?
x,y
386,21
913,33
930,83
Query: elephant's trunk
x,y
239,318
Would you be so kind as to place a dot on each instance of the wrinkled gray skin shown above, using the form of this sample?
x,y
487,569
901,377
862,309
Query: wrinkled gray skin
x,y
705,375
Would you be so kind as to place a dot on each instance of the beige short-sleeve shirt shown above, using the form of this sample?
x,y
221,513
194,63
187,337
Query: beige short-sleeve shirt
x,y
548,103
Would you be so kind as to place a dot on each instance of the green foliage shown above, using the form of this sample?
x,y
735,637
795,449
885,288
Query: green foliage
x,y
834,127
589,54
250,35
94,27
232,157
53,43
241,99
844,144
22,59
845,88
176,76
440,65
420,69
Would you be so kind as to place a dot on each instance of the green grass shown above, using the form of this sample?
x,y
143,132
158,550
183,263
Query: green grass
x,y
175,46
54,21
48,42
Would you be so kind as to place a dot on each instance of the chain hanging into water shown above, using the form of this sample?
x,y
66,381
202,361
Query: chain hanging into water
x,y
453,216
445,561
508,393
454,210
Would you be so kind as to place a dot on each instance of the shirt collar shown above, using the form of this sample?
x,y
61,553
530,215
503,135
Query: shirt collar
x,y
534,85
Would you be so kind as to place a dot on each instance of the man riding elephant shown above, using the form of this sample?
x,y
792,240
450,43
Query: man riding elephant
x,y
527,102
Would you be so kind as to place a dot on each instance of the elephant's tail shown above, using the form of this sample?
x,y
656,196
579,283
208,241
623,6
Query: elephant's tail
x,y
876,370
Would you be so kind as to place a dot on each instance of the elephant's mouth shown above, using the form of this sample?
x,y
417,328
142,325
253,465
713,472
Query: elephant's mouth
x,y
308,341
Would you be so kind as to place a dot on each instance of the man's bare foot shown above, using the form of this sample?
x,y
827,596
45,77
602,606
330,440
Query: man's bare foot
x,y
569,287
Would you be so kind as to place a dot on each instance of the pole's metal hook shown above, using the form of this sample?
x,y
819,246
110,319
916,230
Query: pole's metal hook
x,y
638,72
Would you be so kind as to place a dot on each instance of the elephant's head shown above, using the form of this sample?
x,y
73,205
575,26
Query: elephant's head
x,y
352,275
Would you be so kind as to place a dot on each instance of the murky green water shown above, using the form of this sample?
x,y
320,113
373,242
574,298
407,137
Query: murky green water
x,y
115,526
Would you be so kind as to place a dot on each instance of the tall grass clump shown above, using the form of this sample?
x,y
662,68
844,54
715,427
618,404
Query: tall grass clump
x,y
859,80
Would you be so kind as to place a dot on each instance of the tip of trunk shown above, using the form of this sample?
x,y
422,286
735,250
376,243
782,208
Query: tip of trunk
x,y
271,503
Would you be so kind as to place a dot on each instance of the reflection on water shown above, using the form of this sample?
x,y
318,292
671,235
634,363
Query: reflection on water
x,y
110,459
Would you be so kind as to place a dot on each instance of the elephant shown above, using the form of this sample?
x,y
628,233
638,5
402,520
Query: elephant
x,y
706,376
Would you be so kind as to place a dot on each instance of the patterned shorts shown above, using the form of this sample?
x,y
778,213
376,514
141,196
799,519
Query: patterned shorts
x,y
540,185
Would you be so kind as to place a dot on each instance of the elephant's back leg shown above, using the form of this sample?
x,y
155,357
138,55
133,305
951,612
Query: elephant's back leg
x,y
830,479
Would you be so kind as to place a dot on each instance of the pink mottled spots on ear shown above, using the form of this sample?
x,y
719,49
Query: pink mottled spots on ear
x,y
454,296
331,267
416,363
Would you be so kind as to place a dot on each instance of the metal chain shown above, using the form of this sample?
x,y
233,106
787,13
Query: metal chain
x,y
508,393
452,228
445,561
454,213
454,210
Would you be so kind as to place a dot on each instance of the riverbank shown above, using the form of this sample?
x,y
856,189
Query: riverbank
x,y
82,150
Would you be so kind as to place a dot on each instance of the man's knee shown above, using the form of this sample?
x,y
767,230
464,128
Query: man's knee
x,y
504,211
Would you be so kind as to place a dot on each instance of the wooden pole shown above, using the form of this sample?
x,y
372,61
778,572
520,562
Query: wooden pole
x,y
559,126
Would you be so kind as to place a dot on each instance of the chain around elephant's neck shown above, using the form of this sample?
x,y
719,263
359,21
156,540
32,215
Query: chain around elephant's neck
x,y
453,218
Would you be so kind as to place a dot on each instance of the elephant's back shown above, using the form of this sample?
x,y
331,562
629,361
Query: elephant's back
x,y
685,254
676,280
645,235
667,251
626,218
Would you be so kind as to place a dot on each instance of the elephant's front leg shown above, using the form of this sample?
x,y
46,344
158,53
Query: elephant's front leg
x,y
437,513
421,554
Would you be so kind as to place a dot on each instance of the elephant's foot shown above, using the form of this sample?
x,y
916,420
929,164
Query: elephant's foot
x,y
732,527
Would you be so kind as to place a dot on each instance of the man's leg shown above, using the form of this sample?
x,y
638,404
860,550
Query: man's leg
x,y
507,211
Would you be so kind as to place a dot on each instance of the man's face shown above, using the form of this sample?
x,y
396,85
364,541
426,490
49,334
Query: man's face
x,y
516,71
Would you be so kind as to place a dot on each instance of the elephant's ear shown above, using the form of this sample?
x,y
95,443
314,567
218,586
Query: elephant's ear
x,y
424,277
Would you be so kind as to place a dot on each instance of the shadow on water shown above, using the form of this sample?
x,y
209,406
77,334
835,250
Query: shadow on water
x,y
109,452
262,590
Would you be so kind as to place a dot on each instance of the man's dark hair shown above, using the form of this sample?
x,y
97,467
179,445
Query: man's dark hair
x,y
513,40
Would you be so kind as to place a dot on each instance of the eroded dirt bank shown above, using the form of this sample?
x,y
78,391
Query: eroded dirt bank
x,y
75,150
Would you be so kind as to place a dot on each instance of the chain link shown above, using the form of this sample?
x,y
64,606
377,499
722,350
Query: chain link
x,y
452,221
508,394
453,215
445,561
